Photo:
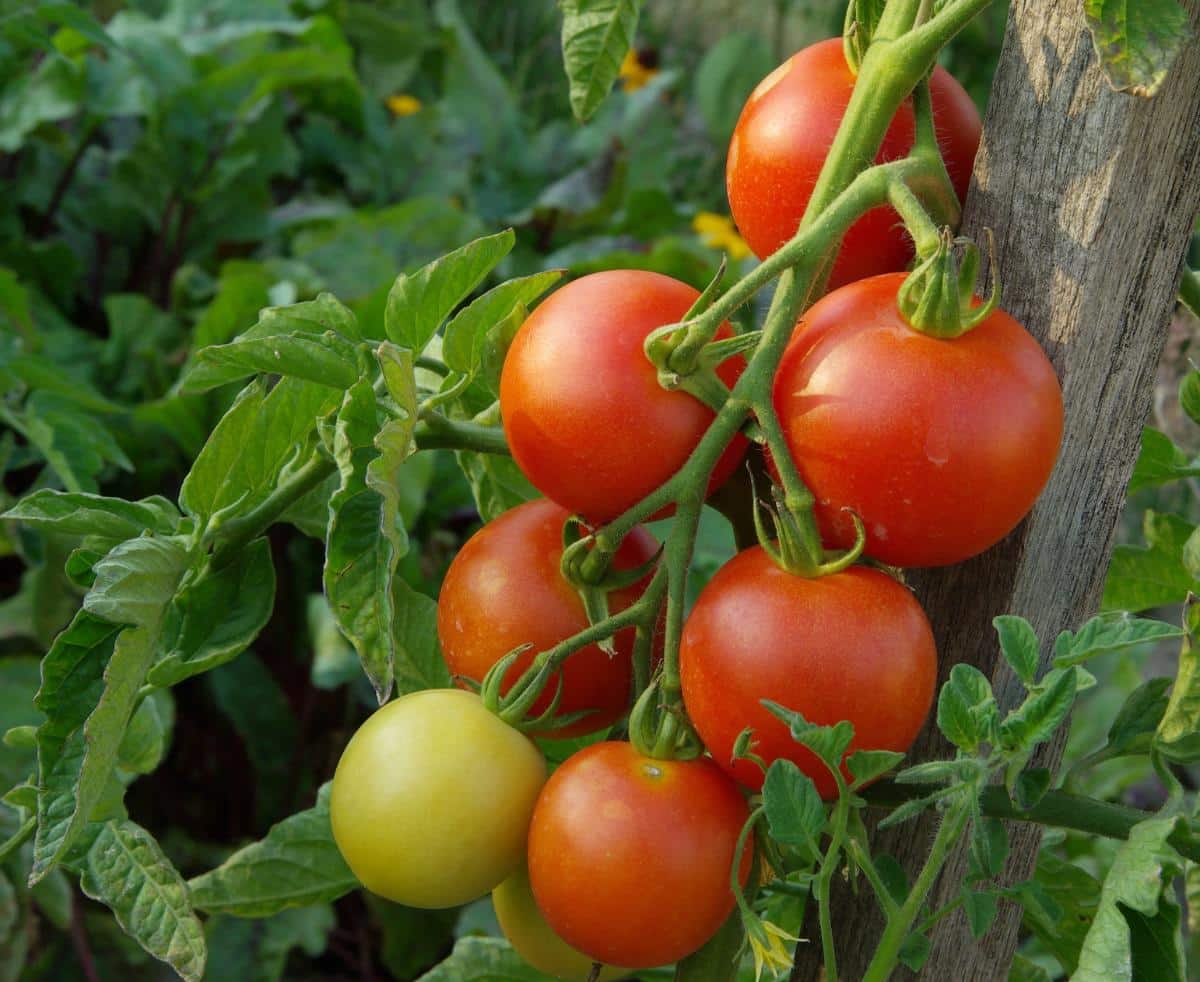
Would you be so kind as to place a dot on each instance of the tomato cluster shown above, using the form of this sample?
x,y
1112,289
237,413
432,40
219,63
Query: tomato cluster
x,y
930,448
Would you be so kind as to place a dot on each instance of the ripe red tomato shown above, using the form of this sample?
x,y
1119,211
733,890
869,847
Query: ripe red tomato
x,y
504,589
784,134
853,645
940,446
629,857
584,415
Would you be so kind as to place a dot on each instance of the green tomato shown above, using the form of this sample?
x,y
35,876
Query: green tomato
x,y
432,799
534,939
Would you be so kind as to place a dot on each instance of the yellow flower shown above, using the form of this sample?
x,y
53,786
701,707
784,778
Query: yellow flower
x,y
718,232
767,946
403,104
634,73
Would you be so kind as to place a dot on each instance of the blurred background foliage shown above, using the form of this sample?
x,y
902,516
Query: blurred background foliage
x,y
172,166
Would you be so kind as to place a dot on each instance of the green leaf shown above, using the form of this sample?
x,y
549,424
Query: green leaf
x,y
1036,719
866,765
914,951
980,909
1189,391
1107,633
296,865
148,736
989,849
497,483
1024,970
483,960
726,76
334,661
1137,41
419,663
463,342
242,291
127,870
1139,579
419,302
1178,735
75,513
136,580
1160,462
216,616
326,359
596,35
19,678
1139,717
827,742
795,812
76,444
1135,882
257,950
966,707
1060,910
1019,645
1030,786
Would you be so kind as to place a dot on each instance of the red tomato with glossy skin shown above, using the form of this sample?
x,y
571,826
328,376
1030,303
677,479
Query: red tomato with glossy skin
x,y
853,645
629,857
504,589
585,417
941,446
784,134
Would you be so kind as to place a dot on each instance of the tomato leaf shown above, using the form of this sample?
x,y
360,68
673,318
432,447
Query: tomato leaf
x,y
128,871
1139,579
989,849
477,959
1137,41
795,812
74,441
726,76
297,864
418,302
914,951
1189,388
827,742
326,359
1030,786
419,663
1109,632
1137,720
1160,462
596,35
73,513
980,909
1178,735
462,343
966,707
1036,719
497,483
1059,906
258,949
866,765
1019,645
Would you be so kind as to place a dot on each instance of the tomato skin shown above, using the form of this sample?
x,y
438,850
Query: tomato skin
x,y
432,799
784,134
940,446
584,415
853,645
505,589
630,857
534,939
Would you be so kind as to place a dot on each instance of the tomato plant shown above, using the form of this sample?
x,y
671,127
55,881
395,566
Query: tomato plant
x,y
584,414
853,645
432,797
630,857
505,589
784,134
939,445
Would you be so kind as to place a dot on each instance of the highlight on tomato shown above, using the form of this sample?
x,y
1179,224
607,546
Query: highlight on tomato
x,y
630,857
853,645
584,414
505,589
432,799
940,445
783,137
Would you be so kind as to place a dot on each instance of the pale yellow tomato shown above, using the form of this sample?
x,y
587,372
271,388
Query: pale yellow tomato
x,y
432,799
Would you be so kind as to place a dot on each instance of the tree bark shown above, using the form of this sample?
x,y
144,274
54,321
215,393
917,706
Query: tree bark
x,y
1092,195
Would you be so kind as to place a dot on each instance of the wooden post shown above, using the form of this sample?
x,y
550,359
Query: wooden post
x,y
1092,195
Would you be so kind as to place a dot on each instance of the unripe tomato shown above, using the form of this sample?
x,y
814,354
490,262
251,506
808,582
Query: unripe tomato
x,y
432,799
783,137
585,417
853,645
534,939
630,857
505,589
941,446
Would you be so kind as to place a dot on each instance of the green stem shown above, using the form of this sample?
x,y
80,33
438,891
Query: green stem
x,y
435,431
18,838
927,925
862,858
829,866
900,923
916,219
1189,290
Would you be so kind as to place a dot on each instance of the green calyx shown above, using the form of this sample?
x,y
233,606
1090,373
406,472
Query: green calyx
x,y
938,297
514,705
658,730
795,544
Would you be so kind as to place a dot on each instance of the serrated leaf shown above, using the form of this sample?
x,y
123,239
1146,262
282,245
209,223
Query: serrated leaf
x,y
966,707
1189,393
937,772
418,302
795,812
1137,41
1139,717
135,581
1178,735
827,742
296,865
462,343
1019,645
257,950
326,359
77,513
128,871
980,909
989,849
193,640
483,960
867,765
1036,719
1135,881
1059,907
1107,633
1139,579
596,35
1160,462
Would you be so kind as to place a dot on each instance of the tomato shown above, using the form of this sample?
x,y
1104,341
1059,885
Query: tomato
x,y
853,645
585,417
432,799
630,857
534,939
505,589
784,134
940,446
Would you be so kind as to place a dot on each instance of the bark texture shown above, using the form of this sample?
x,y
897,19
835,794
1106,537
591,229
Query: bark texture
x,y
1092,195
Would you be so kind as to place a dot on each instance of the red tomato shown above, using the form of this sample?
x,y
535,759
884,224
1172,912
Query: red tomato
x,y
784,134
504,589
630,857
940,446
584,415
854,645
